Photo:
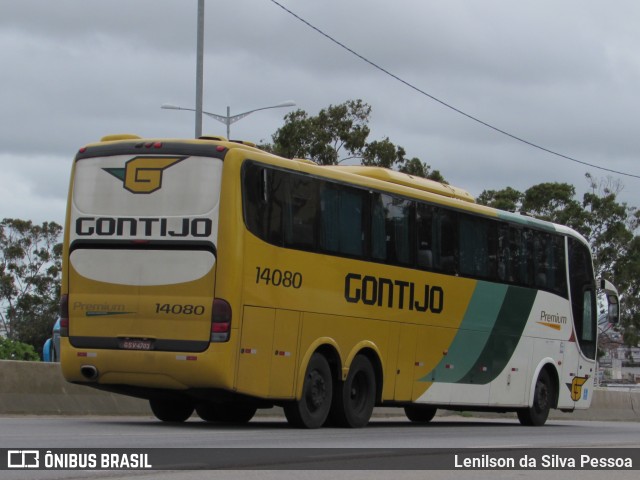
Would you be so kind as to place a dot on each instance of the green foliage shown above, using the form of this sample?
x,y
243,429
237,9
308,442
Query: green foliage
x,y
420,169
508,199
383,153
323,138
30,268
554,202
339,133
14,350
627,277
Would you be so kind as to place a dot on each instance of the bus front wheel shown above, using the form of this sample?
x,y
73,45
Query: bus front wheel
x,y
536,415
312,409
420,413
171,409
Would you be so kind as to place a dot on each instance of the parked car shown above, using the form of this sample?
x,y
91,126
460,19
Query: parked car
x,y
51,348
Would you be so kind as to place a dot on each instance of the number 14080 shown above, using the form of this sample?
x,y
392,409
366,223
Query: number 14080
x,y
278,278
178,309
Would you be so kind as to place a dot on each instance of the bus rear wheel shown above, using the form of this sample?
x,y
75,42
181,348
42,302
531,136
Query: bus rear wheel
x,y
236,413
536,415
420,413
312,409
171,409
355,398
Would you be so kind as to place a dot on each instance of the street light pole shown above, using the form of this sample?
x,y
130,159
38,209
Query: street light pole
x,y
228,119
199,68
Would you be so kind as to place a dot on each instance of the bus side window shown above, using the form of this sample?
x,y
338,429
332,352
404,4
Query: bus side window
x,y
556,273
400,225
515,250
378,228
276,190
391,229
475,243
255,198
424,232
540,263
446,244
587,315
437,234
301,213
341,219
504,256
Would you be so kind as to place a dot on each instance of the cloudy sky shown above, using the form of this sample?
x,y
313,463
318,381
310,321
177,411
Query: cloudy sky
x,y
563,74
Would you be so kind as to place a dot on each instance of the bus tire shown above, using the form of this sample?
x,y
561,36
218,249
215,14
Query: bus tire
x,y
236,413
420,413
174,409
536,415
355,398
312,409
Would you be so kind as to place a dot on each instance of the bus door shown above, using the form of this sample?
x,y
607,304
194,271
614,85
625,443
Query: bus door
x,y
582,289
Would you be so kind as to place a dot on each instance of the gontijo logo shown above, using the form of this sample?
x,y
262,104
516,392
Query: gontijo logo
x,y
143,174
576,388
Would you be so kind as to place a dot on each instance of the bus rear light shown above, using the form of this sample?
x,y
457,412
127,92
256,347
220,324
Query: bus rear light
x,y
64,315
220,321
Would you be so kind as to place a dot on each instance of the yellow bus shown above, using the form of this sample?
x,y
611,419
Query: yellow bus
x,y
209,275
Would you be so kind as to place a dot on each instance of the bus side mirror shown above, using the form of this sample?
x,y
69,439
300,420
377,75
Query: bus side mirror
x,y
613,301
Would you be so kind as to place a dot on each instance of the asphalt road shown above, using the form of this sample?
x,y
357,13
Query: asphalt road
x,y
385,440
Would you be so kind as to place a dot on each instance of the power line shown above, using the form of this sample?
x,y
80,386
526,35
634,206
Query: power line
x,y
457,110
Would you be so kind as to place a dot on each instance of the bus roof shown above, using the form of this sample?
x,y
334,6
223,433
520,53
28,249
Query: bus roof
x,y
412,181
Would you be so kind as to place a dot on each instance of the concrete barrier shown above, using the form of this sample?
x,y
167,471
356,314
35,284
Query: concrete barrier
x,y
36,388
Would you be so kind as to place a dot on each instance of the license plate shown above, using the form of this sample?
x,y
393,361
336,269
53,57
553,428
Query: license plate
x,y
136,344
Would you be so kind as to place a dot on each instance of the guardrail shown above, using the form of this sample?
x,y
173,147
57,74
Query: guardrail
x,y
38,388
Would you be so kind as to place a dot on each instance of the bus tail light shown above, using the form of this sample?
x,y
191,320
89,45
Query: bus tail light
x,y
64,315
220,321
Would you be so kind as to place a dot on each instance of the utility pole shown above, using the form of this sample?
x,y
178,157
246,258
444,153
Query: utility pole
x,y
199,68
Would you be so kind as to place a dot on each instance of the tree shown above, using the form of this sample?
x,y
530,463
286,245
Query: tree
x,y
508,199
627,278
30,268
555,202
383,153
418,168
339,133
323,138
611,229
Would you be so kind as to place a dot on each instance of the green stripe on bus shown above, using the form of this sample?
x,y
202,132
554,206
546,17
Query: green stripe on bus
x,y
505,336
469,343
488,336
